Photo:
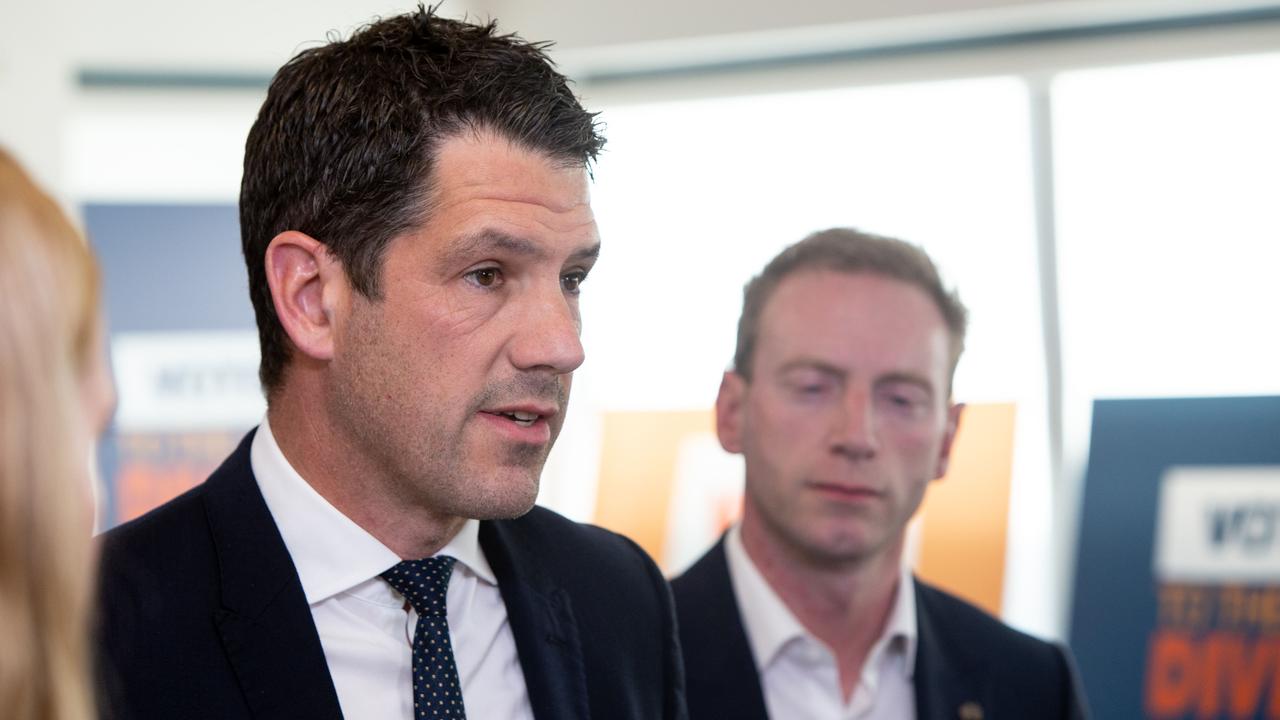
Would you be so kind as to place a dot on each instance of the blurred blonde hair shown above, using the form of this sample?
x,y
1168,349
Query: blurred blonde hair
x,y
49,324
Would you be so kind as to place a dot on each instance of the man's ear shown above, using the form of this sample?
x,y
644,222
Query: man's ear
x,y
948,438
729,411
306,285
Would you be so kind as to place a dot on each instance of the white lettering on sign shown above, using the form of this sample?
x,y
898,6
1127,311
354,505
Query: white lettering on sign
x,y
176,382
1219,524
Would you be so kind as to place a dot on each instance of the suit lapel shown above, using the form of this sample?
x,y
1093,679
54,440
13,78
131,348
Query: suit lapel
x,y
266,626
542,623
722,680
946,686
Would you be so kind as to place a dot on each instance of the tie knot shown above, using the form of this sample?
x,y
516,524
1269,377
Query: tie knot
x,y
423,583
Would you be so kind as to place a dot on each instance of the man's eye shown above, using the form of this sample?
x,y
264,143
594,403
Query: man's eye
x,y
486,277
810,389
813,390
906,401
572,282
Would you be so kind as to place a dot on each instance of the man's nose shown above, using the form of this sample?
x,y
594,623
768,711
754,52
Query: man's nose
x,y
854,428
548,335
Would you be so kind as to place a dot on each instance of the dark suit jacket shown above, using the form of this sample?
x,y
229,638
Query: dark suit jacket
x,y
202,615
963,656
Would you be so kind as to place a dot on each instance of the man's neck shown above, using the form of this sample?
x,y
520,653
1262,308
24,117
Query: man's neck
x,y
846,606
336,468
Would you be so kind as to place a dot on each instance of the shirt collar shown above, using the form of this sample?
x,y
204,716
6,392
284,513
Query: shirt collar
x,y
465,548
771,625
330,551
902,620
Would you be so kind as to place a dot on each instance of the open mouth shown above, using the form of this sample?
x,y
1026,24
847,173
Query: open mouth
x,y
523,419
522,422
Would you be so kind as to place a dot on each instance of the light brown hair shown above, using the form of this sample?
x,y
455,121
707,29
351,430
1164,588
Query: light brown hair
x,y
48,329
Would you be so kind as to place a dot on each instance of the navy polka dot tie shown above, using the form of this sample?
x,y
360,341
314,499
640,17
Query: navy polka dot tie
x,y
436,690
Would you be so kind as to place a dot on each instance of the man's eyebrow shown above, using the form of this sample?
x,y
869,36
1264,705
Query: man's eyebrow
x,y
805,363
489,241
826,368
909,378
486,242
586,254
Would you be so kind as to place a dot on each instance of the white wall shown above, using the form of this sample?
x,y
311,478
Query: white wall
x,y
44,45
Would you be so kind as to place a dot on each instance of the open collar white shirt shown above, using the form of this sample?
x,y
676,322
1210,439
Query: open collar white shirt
x,y
365,629
798,672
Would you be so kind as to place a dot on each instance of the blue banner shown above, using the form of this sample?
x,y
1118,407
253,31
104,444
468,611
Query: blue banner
x,y
1176,610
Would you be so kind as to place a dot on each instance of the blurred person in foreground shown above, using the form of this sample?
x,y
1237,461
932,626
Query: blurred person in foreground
x,y
55,397
839,401
416,226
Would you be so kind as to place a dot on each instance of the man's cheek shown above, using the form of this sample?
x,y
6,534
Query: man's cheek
x,y
459,316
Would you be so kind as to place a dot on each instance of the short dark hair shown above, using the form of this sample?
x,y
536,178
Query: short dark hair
x,y
344,145
848,251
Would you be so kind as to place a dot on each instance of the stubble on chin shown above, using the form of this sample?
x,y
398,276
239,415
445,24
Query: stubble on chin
x,y
503,481
532,457
498,493
522,465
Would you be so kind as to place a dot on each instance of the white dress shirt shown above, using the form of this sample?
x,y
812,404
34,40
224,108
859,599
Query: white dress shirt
x,y
798,672
365,630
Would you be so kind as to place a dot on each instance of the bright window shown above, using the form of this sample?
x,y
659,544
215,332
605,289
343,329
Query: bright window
x,y
1169,237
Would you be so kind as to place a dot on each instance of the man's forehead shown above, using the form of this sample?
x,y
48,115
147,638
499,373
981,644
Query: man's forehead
x,y
489,165
828,313
488,194
854,297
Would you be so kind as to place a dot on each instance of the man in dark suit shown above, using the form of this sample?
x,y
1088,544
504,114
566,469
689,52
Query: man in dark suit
x,y
840,403
416,228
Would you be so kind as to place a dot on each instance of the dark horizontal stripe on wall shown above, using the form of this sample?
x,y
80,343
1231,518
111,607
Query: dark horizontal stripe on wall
x,y
149,80
1223,19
